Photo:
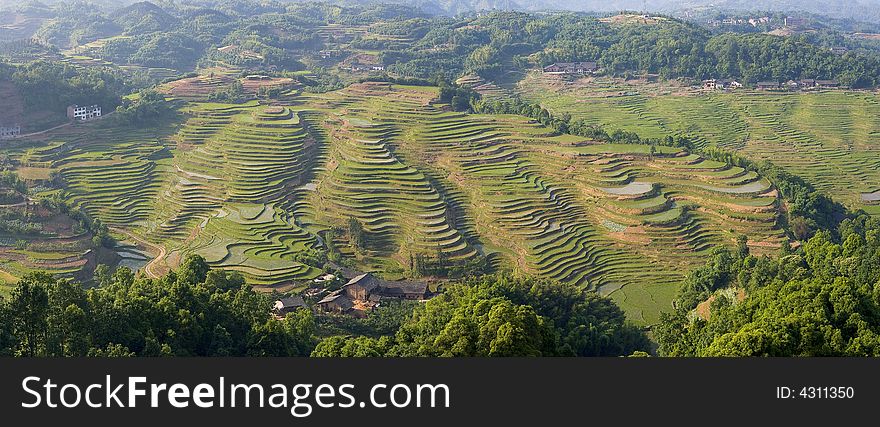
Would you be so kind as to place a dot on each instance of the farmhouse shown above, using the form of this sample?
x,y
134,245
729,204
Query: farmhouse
x,y
404,290
767,85
571,68
827,84
721,84
807,83
9,132
75,112
361,286
336,302
287,305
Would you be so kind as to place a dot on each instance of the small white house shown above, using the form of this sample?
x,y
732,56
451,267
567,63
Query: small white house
x,y
75,112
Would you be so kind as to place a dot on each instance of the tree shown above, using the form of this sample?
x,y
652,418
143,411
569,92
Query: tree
x,y
356,234
28,310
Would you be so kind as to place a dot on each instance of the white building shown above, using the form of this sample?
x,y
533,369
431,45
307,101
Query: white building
x,y
75,112
9,132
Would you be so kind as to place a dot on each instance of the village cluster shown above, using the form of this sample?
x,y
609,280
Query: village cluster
x,y
357,297
803,84
591,67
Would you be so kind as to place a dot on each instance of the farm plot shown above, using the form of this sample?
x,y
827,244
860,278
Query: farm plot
x,y
831,138
233,160
608,217
258,240
113,173
40,238
404,213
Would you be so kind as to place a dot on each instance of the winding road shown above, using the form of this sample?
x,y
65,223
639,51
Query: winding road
x,y
149,268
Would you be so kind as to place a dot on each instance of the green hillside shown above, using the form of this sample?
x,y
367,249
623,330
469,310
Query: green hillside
x,y
829,138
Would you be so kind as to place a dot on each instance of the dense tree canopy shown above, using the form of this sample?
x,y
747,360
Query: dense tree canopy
x,y
193,312
821,300
504,316
54,85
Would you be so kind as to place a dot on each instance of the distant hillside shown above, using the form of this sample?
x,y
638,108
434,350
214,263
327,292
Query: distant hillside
x,y
859,10
143,17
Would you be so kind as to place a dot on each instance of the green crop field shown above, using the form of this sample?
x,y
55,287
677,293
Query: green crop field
x,y
830,138
255,187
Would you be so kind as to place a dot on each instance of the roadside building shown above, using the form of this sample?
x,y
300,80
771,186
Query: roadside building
x,y
75,112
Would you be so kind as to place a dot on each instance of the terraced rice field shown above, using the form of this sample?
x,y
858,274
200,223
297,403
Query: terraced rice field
x,y
222,185
251,187
831,138
236,173
608,217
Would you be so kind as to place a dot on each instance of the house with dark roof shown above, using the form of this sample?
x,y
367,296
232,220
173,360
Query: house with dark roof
x,y
365,291
807,83
827,84
767,85
403,290
336,302
361,287
288,305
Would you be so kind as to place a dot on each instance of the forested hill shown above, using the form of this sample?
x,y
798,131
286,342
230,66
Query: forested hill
x,y
410,41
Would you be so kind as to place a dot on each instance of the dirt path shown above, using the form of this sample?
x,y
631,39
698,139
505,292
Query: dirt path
x,y
25,135
65,124
149,268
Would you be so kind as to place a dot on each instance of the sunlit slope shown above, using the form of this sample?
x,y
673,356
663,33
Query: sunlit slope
x,y
831,138
608,217
235,172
